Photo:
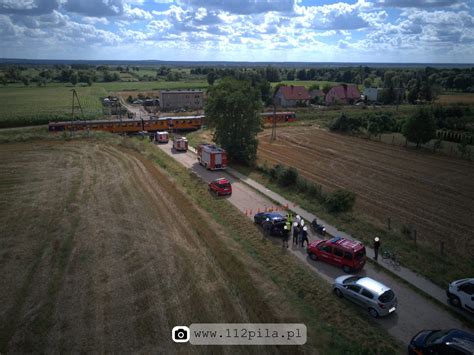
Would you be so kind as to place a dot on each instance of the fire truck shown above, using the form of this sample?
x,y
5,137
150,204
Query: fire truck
x,y
161,137
212,157
180,144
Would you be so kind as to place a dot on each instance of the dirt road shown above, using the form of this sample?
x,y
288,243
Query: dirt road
x,y
432,193
414,313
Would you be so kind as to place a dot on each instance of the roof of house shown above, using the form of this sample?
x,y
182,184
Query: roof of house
x,y
345,91
294,92
181,91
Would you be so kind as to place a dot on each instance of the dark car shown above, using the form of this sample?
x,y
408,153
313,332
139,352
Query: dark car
x,y
451,341
262,216
318,228
275,229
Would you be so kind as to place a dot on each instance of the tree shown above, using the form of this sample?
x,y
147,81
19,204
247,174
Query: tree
x,y
326,88
25,80
301,75
211,77
290,75
420,128
74,78
272,74
232,109
4,81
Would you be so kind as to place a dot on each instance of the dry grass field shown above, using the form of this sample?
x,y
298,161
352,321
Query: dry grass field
x,y
101,250
431,193
462,98
101,257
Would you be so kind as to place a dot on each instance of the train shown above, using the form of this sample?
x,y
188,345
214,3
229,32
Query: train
x,y
153,124
281,117
182,123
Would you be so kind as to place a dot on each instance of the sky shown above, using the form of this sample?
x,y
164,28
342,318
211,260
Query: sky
x,y
397,31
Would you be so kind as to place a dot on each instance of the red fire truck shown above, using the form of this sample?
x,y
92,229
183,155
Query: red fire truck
x,y
180,144
212,157
161,137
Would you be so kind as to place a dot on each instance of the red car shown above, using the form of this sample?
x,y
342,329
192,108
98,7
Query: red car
x,y
221,187
345,253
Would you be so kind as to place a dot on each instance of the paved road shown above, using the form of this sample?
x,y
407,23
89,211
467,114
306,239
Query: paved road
x,y
414,313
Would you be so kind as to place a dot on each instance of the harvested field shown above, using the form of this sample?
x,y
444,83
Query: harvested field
x,y
432,193
463,98
101,252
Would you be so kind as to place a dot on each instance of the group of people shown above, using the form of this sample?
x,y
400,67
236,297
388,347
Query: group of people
x,y
298,229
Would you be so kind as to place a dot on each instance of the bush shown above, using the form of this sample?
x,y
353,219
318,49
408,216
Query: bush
x,y
302,184
340,201
288,177
316,191
276,172
345,124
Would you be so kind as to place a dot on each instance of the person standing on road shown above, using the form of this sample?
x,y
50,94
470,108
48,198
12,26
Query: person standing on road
x,y
286,234
376,247
305,237
295,232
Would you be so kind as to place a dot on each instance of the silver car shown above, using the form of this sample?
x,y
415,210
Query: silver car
x,y
377,298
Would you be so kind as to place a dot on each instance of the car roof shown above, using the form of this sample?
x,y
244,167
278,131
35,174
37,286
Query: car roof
x,y
222,181
346,243
372,285
459,339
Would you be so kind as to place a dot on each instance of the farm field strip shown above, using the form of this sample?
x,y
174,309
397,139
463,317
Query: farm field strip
x,y
433,193
103,248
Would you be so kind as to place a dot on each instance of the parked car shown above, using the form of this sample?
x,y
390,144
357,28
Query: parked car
x,y
318,228
220,187
262,216
275,229
345,253
374,296
451,341
461,293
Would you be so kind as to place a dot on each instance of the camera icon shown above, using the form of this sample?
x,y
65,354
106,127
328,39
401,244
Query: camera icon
x,y
180,334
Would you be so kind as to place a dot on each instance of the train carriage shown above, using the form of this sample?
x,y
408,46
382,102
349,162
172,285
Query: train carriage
x,y
281,117
132,126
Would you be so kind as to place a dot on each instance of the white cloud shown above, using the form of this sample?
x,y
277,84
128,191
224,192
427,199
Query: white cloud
x,y
340,16
421,3
28,7
244,7
136,14
95,8
95,20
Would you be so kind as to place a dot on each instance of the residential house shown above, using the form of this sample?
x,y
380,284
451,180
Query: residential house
x,y
371,94
343,94
181,99
291,96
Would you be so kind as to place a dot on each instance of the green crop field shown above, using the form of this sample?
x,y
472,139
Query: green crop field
x,y
32,105
306,83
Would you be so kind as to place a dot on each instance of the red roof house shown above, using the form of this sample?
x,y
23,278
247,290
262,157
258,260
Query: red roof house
x,y
344,94
290,96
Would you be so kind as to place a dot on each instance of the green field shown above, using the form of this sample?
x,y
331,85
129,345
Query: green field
x,y
32,105
306,83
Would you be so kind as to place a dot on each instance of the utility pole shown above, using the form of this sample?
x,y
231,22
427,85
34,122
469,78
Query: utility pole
x,y
74,106
274,126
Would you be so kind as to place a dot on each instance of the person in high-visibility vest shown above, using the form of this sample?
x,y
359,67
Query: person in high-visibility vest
x,y
289,217
286,234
